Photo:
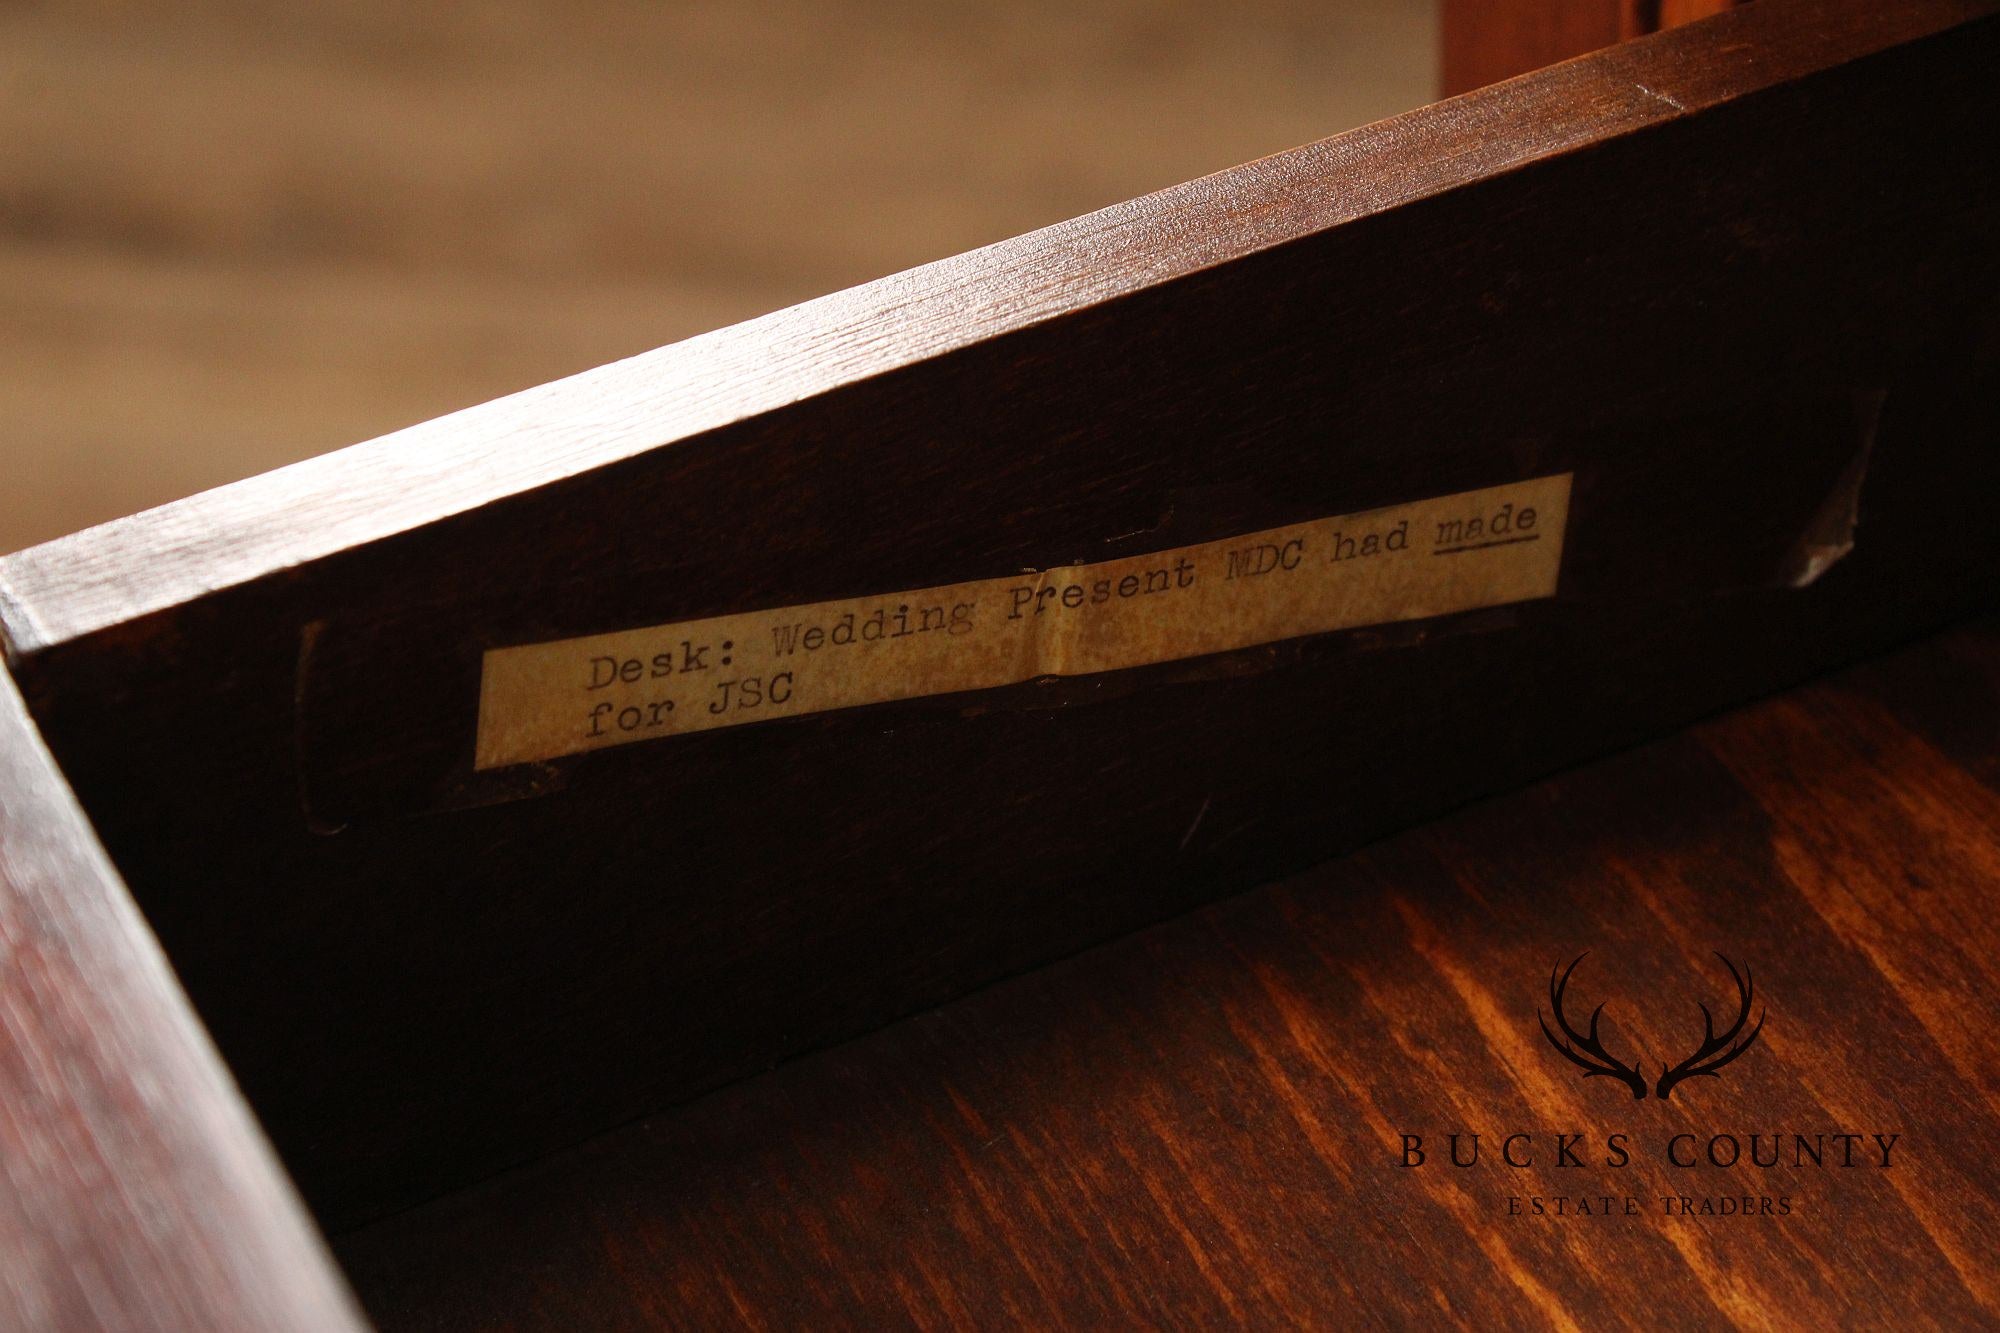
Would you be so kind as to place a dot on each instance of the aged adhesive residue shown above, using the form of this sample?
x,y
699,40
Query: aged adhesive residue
x,y
1433,557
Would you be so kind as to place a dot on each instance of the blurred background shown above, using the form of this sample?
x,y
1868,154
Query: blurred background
x,y
234,234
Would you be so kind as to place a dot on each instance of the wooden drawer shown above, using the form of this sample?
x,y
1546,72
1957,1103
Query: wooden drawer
x,y
1717,307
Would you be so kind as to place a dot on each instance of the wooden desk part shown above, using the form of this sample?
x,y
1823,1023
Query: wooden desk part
x,y
1724,300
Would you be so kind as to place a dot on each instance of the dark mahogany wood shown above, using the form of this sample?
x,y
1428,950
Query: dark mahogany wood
x,y
1721,274
135,1189
1201,1125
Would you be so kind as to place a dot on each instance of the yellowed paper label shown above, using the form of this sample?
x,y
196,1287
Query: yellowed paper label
x,y
1434,557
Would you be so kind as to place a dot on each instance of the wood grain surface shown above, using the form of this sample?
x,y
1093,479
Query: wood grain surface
x,y
135,1189
1201,1125
1751,357
1625,267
